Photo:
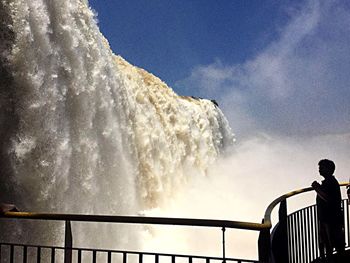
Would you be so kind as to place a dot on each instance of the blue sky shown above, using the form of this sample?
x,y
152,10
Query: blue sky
x,y
275,67
170,38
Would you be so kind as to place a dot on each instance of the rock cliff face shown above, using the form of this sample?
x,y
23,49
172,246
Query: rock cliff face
x,y
83,131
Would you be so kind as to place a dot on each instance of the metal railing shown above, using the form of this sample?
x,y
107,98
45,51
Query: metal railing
x,y
296,236
51,254
303,242
70,254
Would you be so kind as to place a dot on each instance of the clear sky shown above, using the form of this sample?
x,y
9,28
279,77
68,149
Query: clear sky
x,y
170,38
278,67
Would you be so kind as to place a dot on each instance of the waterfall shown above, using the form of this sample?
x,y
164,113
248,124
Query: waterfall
x,y
84,131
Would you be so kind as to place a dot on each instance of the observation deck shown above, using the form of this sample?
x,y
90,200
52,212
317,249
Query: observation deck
x,y
293,239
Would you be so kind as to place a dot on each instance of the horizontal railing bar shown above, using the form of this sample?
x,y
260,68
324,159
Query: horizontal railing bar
x,y
136,220
125,251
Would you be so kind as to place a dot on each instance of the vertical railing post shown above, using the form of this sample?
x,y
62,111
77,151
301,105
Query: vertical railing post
x,y
264,245
279,242
282,214
68,243
223,245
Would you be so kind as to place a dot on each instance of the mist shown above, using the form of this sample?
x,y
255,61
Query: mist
x,y
289,108
241,186
296,86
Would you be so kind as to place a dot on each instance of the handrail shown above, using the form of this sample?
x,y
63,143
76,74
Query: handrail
x,y
136,220
265,243
267,217
162,220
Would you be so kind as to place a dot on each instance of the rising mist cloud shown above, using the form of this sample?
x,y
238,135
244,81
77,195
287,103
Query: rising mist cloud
x,y
298,85
289,107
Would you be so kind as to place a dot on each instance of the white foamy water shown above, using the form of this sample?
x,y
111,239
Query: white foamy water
x,y
83,131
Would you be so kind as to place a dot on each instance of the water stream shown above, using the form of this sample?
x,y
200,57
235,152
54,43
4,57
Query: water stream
x,y
83,131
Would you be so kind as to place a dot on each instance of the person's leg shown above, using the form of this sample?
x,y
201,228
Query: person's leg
x,y
339,241
321,239
328,241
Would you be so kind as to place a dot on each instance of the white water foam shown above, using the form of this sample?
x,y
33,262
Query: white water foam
x,y
85,131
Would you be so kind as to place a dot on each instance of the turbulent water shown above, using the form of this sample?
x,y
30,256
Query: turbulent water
x,y
82,130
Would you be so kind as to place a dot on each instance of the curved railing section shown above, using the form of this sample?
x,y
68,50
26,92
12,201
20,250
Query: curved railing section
x,y
294,238
274,203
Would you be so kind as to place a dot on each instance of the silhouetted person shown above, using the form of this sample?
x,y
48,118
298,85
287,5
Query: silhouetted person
x,y
329,212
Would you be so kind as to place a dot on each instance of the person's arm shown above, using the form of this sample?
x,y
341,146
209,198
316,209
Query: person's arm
x,y
322,194
8,208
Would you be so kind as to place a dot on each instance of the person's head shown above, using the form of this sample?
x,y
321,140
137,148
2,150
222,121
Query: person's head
x,y
326,167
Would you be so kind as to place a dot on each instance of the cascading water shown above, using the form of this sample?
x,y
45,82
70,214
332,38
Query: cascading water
x,y
82,130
